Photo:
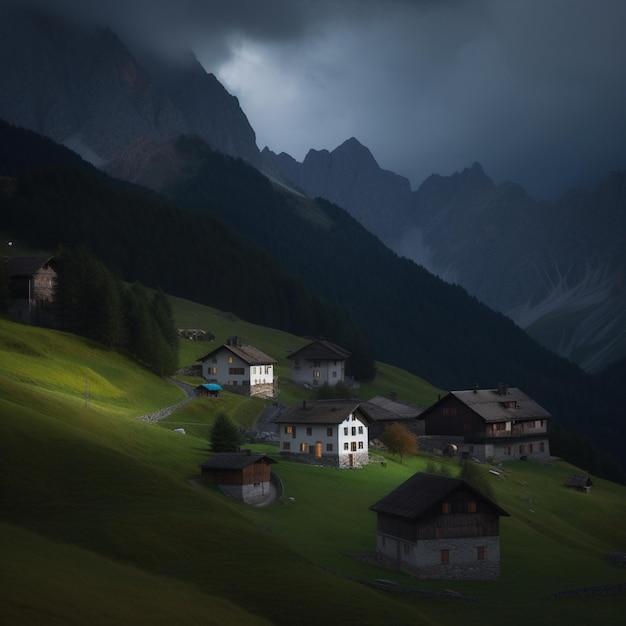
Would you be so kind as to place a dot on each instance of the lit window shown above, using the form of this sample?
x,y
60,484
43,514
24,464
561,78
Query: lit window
x,y
288,430
445,507
230,359
471,507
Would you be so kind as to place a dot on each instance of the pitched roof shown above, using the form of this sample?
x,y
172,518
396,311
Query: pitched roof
x,y
319,412
249,354
495,406
381,409
320,350
422,491
576,480
25,265
234,460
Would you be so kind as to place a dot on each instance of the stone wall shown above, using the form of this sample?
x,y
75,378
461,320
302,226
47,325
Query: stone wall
x,y
423,558
329,460
250,494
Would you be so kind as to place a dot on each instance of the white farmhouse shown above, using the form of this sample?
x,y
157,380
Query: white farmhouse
x,y
319,363
241,367
326,432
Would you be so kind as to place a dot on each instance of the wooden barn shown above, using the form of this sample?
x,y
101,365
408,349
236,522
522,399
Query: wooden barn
x,y
242,475
579,482
383,412
32,287
439,527
501,424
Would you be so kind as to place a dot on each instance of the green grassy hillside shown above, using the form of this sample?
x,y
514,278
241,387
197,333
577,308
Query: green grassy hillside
x,y
102,488
279,344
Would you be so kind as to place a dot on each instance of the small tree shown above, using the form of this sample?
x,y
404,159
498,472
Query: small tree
x,y
400,440
224,435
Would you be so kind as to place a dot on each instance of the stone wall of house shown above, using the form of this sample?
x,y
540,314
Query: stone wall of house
x,y
266,390
423,558
250,494
329,460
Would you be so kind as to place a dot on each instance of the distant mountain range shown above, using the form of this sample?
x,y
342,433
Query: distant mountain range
x,y
557,269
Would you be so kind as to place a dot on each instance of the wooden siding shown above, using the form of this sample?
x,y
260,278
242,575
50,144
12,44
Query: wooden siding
x,y
452,417
255,473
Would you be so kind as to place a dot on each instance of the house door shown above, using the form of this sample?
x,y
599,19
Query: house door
x,y
318,449
351,460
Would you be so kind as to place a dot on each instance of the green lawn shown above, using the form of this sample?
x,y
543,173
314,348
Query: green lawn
x,y
279,344
198,416
109,493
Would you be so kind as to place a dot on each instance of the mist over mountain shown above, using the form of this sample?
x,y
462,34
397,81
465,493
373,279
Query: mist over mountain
x,y
557,269
82,86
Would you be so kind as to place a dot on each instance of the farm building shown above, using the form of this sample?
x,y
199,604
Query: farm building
x,y
439,527
242,475
32,287
241,367
208,389
326,432
579,482
382,412
319,363
500,424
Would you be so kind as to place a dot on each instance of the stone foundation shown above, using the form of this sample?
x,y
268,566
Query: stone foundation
x,y
250,494
329,460
423,558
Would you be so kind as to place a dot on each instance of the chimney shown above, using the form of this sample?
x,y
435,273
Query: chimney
x,y
476,388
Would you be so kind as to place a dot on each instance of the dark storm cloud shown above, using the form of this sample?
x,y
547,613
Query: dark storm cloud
x,y
534,89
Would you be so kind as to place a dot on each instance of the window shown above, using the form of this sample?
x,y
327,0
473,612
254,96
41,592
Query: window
x,y
309,430
353,446
329,447
360,445
542,446
354,431
360,430
445,507
407,548
288,430
286,445
445,556
304,447
346,446
236,371
334,374
345,430
329,431
448,411
230,359
316,373
530,448
268,369
481,553
521,448
471,507
542,423
212,370
500,426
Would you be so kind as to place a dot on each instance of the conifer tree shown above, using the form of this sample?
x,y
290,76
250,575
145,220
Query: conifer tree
x,y
224,435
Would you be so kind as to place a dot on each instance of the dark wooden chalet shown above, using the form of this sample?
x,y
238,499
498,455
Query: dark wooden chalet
x,y
499,424
242,475
32,287
439,527
579,482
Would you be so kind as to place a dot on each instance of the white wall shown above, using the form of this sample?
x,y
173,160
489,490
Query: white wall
x,y
224,360
319,432
330,372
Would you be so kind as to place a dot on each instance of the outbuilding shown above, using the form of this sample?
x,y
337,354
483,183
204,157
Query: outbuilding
x,y
435,526
241,475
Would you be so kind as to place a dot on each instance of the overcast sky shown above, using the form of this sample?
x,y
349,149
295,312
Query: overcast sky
x,y
533,89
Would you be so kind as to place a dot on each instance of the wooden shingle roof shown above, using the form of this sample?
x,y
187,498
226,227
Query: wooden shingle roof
x,y
248,354
381,409
233,460
320,350
319,412
421,492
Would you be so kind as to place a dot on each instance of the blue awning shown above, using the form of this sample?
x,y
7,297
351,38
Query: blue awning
x,y
212,387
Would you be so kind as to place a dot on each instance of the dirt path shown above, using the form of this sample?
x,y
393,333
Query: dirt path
x,y
166,411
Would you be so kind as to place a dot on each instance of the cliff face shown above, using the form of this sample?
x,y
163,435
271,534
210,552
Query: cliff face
x,y
83,87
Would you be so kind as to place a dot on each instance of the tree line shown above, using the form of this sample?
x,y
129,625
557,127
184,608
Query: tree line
x,y
93,302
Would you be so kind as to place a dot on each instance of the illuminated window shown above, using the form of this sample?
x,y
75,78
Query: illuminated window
x,y
288,430
471,507
445,507
230,359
